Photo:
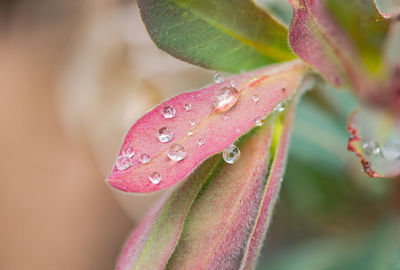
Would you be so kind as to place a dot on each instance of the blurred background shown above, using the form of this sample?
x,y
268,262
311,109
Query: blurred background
x,y
75,75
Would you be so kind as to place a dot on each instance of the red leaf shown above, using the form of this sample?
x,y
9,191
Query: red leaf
x,y
260,92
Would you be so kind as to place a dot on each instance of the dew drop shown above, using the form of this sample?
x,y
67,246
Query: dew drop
x,y
165,135
155,178
371,148
144,158
233,84
225,117
255,98
188,107
231,154
225,99
168,112
123,163
238,130
218,78
176,152
201,141
128,152
192,123
279,107
258,122
190,133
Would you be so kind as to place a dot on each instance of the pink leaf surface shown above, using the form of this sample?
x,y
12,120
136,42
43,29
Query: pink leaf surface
x,y
214,218
199,128
375,139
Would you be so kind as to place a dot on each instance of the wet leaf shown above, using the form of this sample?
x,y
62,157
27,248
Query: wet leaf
x,y
225,35
202,130
375,138
218,217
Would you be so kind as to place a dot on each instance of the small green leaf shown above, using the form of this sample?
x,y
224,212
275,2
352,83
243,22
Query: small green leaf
x,y
225,35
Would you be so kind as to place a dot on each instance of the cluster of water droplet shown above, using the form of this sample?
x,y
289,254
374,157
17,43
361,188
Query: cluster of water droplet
x,y
389,150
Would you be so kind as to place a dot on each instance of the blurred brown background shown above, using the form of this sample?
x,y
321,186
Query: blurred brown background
x,y
74,76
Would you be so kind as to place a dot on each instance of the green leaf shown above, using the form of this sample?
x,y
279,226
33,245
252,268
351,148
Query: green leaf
x,y
225,35
277,8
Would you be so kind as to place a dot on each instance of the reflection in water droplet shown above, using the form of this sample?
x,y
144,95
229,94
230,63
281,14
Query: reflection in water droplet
x,y
255,98
188,107
231,154
176,152
155,178
201,141
258,122
165,135
168,112
144,158
128,152
218,78
371,148
123,163
279,107
225,99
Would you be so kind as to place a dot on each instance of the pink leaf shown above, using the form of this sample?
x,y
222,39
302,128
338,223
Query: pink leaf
x,y
195,130
218,217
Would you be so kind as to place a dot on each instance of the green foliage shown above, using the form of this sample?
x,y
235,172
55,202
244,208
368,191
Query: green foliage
x,y
225,35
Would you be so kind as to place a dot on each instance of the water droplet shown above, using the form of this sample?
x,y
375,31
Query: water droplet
x,y
188,107
281,179
391,150
123,163
168,112
279,107
371,148
201,141
144,158
128,152
192,123
233,84
258,122
225,99
190,133
255,98
218,78
165,135
231,154
225,117
176,152
155,178
238,130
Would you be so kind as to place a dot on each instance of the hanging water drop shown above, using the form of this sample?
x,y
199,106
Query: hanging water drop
x,y
201,141
218,78
144,158
168,112
123,163
176,152
188,107
231,154
155,178
371,148
258,122
165,135
128,152
279,107
255,98
225,99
